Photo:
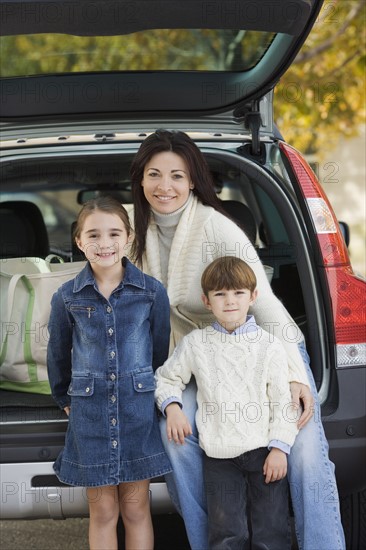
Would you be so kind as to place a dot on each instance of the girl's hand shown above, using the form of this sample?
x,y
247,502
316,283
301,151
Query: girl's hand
x,y
300,392
275,465
177,424
67,410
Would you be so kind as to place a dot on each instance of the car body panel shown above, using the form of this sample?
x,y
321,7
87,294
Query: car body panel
x,y
192,93
78,132
31,491
123,17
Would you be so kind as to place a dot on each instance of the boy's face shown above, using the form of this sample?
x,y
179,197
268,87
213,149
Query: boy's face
x,y
230,307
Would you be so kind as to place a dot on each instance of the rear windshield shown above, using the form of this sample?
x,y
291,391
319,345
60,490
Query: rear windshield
x,y
153,50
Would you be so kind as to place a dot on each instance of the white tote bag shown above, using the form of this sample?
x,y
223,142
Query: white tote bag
x,y
26,288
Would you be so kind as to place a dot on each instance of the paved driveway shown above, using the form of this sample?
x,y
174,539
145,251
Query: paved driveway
x,y
72,534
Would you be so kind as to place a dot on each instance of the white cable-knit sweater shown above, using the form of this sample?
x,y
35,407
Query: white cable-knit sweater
x,y
243,394
202,235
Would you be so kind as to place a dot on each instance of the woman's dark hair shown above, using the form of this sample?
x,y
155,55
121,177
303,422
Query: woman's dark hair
x,y
181,144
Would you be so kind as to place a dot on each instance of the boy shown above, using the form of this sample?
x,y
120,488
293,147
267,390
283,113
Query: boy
x,y
245,418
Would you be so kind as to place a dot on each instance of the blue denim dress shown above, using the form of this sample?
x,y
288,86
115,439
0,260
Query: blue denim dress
x,y
101,359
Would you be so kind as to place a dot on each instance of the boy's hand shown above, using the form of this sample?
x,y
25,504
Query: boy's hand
x,y
177,425
275,465
67,410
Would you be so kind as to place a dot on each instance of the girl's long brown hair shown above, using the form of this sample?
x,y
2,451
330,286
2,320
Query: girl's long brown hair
x,y
181,144
105,203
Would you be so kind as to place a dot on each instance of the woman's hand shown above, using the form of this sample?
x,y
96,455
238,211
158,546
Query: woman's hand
x,y
177,424
67,410
275,465
300,392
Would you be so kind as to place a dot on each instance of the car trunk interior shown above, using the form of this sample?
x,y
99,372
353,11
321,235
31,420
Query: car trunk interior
x,y
257,200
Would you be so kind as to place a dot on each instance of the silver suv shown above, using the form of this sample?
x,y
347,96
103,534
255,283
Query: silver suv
x,y
83,83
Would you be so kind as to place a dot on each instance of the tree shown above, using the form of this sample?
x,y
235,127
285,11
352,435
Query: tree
x,y
324,89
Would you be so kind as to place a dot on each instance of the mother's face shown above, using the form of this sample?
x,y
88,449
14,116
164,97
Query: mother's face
x,y
166,182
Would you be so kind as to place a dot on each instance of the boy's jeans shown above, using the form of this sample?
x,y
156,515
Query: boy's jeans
x,y
310,473
230,484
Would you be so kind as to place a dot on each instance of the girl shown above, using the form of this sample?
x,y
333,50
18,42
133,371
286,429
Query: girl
x,y
109,330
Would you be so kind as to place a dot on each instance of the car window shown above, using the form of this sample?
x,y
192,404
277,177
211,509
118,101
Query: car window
x,y
152,50
59,209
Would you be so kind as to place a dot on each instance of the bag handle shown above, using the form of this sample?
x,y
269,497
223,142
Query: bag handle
x,y
43,266
32,365
11,293
51,257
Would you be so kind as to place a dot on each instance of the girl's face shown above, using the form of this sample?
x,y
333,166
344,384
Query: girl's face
x,y
103,238
166,182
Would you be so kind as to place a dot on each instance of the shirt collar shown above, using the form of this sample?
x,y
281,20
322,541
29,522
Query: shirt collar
x,y
132,276
249,326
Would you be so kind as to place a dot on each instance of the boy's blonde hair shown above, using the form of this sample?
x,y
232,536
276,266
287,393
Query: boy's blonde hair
x,y
230,273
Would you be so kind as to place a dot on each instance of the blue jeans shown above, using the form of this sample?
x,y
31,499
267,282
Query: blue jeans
x,y
310,473
313,485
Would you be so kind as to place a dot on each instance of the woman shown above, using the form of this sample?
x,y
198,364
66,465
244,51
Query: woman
x,y
180,228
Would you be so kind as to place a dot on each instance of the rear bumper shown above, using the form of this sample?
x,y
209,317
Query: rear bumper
x,y
345,430
24,497
30,490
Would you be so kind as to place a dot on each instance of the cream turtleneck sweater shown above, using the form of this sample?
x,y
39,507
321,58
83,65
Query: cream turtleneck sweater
x,y
166,226
201,235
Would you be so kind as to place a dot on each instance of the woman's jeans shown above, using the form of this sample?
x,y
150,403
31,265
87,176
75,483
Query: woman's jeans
x,y
310,473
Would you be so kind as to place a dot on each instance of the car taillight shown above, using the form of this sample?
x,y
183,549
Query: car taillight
x,y
347,291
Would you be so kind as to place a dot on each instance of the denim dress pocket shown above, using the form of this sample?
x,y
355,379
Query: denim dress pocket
x,y
81,386
84,415
139,404
144,381
87,319
140,420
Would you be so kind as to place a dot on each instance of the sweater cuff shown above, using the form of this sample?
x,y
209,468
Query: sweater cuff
x,y
62,402
276,443
168,401
298,374
285,435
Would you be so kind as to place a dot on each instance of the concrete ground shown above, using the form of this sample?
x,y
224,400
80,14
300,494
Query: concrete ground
x,y
72,534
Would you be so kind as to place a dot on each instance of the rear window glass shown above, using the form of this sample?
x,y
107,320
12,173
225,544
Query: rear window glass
x,y
153,50
59,210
